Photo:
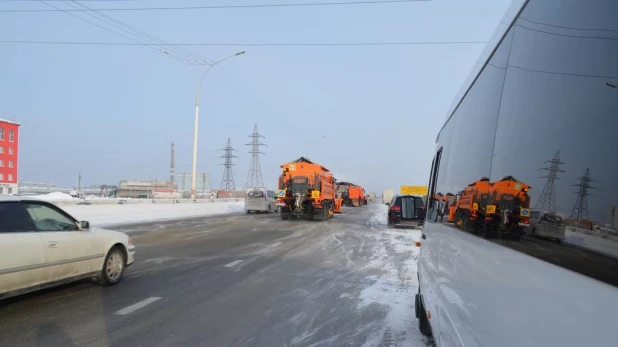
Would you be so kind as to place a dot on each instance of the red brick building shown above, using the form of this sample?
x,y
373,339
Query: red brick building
x,y
9,156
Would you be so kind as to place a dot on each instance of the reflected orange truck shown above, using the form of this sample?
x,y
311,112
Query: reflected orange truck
x,y
502,207
307,190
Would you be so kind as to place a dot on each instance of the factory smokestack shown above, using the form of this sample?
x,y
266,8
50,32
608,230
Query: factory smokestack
x,y
172,167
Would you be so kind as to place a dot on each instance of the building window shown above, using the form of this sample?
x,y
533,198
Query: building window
x,y
11,135
10,190
1,163
10,150
2,134
10,163
1,150
10,177
1,177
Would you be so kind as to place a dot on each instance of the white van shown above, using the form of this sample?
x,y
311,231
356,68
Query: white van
x,y
261,200
387,196
547,225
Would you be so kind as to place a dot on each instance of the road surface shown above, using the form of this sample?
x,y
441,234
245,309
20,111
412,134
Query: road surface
x,y
239,280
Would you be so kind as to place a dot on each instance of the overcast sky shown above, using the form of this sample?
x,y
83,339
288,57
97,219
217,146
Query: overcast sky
x,y
369,113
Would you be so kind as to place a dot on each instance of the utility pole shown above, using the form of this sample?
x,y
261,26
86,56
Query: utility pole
x,y
227,181
580,209
197,116
78,182
254,178
547,199
172,168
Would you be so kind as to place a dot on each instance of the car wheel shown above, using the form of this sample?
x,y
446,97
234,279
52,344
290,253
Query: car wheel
x,y
248,211
269,210
113,267
423,321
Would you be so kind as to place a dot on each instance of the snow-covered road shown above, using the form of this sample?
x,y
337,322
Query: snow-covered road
x,y
237,280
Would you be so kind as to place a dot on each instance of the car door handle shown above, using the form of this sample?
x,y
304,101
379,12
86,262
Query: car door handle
x,y
52,244
423,236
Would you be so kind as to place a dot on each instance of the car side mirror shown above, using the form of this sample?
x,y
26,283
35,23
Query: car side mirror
x,y
84,225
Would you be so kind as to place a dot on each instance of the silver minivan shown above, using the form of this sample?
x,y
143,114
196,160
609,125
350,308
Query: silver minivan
x,y
261,200
546,225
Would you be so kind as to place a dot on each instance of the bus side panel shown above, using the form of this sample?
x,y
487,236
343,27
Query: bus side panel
x,y
557,107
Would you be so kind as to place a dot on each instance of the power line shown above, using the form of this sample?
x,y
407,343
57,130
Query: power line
x,y
218,7
164,44
566,27
562,73
135,32
285,44
79,0
102,27
565,35
552,72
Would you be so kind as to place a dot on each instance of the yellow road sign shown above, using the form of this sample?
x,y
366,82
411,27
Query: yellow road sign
x,y
413,190
490,209
475,206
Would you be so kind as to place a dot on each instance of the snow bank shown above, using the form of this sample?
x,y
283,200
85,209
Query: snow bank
x,y
55,196
107,215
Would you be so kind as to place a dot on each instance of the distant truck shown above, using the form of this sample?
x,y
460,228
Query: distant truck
x,y
371,197
351,194
387,196
307,190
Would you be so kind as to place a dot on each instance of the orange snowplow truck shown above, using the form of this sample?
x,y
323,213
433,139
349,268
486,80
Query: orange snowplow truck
x,y
351,194
356,195
307,190
502,207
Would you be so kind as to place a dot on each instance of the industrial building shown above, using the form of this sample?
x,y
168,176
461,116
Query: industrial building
x,y
141,188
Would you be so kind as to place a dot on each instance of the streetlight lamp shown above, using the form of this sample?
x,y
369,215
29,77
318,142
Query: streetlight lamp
x,y
197,116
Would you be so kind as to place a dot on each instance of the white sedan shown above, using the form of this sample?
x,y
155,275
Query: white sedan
x,y
41,245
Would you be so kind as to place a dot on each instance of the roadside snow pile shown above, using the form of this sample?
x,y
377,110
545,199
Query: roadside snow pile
x,y
395,259
108,215
55,196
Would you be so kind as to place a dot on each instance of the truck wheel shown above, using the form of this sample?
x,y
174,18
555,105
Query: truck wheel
x,y
423,321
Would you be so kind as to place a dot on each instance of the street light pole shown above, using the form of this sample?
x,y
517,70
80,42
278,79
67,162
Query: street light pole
x,y
195,126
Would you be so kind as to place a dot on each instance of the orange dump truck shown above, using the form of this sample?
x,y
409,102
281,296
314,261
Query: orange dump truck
x,y
502,207
351,194
307,190
356,194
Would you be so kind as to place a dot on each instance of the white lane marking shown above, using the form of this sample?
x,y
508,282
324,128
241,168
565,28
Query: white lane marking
x,y
276,244
235,262
130,309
